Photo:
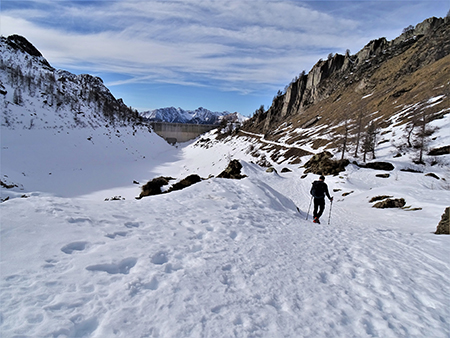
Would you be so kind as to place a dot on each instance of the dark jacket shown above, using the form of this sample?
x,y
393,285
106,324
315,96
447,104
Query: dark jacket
x,y
319,189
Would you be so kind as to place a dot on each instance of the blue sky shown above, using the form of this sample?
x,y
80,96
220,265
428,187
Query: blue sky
x,y
221,55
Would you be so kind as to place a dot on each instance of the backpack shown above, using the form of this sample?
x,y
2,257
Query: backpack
x,y
318,189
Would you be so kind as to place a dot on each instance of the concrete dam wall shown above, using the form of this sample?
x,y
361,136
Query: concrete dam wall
x,y
180,132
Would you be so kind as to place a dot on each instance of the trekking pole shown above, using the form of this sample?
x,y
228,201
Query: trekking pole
x,y
329,217
307,214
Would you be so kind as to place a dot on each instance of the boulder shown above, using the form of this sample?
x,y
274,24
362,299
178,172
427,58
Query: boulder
x,y
440,151
379,198
390,203
443,227
322,164
233,171
378,166
153,187
186,182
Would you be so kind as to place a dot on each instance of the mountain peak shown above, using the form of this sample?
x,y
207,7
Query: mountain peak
x,y
22,45
19,42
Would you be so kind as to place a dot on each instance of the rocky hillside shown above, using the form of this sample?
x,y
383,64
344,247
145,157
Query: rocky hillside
x,y
349,103
33,94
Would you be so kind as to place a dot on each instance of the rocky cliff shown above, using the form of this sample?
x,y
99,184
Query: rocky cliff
x,y
341,85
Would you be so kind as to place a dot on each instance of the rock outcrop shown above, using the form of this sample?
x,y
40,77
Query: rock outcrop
x,y
390,203
153,187
419,46
443,227
322,164
233,171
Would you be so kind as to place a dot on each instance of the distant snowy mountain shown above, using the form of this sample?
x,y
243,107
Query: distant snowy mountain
x,y
197,116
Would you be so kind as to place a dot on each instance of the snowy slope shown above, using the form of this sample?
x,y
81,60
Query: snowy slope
x,y
63,133
223,258
78,161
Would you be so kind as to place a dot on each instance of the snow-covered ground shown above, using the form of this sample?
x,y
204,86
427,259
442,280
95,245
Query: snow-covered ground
x,y
222,258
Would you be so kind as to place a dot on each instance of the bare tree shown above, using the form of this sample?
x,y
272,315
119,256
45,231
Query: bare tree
x,y
369,140
422,135
409,129
344,139
17,96
359,129
408,30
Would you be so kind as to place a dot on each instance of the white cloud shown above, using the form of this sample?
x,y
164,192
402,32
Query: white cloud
x,y
231,44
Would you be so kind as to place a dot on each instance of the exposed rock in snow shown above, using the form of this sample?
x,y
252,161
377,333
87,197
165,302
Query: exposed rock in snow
x,y
444,224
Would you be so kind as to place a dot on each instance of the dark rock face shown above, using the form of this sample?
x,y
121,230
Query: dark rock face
x,y
233,171
322,164
20,43
390,203
23,44
443,227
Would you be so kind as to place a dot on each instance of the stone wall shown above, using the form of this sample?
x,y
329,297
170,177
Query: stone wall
x,y
180,132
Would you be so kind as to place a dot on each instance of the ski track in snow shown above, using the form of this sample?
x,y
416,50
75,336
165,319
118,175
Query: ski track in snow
x,y
236,261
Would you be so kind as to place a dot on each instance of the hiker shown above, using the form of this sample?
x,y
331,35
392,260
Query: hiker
x,y
318,190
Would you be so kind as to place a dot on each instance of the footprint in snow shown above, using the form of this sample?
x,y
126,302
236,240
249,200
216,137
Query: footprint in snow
x,y
123,267
74,246
233,234
132,224
160,258
117,233
136,286
79,220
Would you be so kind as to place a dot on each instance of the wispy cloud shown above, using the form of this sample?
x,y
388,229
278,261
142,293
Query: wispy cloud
x,y
234,45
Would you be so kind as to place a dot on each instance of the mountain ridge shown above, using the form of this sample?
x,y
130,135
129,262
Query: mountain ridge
x,y
198,116
387,84
54,98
